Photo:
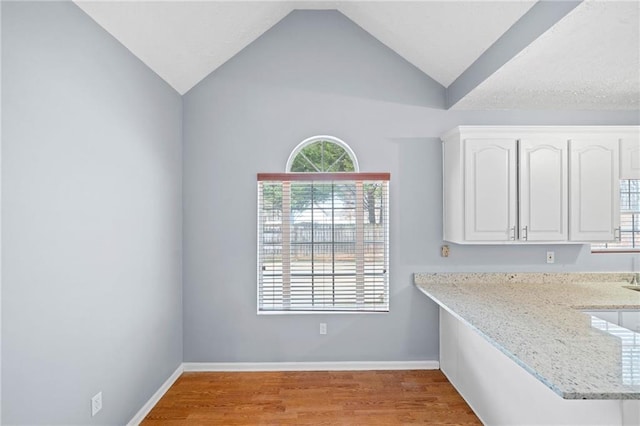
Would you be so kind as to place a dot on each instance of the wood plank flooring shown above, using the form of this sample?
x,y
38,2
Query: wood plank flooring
x,y
312,398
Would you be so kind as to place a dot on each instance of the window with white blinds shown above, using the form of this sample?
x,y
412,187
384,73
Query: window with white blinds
x,y
629,235
323,242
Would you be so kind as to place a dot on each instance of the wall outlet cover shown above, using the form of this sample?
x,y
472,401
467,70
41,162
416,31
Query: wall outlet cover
x,y
551,257
96,404
323,328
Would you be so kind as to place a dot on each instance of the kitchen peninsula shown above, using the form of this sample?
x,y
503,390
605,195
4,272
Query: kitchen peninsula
x,y
520,348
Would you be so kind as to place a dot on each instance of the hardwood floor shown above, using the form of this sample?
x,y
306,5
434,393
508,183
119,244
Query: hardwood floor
x,y
312,398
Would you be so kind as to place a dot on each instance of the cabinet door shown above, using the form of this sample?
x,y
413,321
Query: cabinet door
x,y
543,213
490,189
594,200
630,157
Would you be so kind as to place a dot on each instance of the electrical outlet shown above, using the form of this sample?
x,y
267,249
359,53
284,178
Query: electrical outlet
x,y
323,328
444,251
551,257
96,404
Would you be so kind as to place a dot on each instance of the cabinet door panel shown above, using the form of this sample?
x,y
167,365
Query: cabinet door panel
x,y
490,190
594,196
630,157
543,189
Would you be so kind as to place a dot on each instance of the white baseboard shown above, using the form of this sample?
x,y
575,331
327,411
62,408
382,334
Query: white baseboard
x,y
311,366
146,408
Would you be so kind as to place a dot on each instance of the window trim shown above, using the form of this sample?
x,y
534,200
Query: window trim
x,y
287,177
623,250
612,251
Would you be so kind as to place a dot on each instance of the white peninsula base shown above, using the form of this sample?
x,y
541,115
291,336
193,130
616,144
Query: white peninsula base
x,y
501,392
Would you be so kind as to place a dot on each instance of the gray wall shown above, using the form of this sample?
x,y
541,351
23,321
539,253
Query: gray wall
x,y
318,73
91,221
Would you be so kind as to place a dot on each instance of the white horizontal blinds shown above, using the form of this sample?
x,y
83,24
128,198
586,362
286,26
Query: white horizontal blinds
x,y
323,242
273,288
376,244
629,235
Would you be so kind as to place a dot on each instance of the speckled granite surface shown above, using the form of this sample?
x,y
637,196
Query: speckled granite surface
x,y
536,320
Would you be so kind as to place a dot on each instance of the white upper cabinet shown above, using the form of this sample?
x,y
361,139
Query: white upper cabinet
x,y
630,156
490,191
595,188
528,184
543,187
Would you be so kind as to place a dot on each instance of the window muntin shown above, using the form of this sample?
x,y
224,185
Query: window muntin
x,y
629,219
323,238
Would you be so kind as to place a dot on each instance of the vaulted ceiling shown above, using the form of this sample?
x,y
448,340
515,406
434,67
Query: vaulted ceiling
x,y
518,54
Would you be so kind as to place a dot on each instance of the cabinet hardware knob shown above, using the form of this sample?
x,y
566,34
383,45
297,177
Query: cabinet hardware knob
x,y
525,233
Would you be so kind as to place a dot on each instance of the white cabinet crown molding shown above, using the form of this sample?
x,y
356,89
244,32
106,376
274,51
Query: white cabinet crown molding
x,y
502,131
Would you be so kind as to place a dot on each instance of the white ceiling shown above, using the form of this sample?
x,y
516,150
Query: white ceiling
x,y
440,38
588,60
183,42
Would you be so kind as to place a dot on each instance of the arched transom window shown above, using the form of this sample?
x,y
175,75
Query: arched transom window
x,y
322,154
323,234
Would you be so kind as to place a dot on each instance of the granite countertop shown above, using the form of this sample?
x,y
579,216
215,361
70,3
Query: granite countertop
x,y
536,320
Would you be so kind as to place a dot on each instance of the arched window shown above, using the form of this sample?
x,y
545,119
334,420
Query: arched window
x,y
322,154
323,234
